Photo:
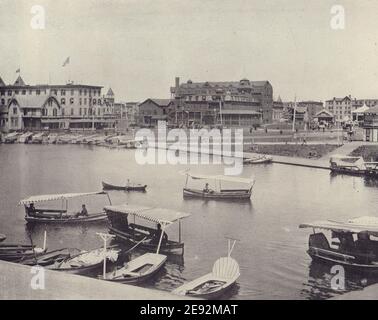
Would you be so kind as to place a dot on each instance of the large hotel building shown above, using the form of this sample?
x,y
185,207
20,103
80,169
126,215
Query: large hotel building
x,y
69,106
236,103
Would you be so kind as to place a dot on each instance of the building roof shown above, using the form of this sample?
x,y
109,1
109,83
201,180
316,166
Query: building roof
x,y
159,102
372,110
223,84
324,111
339,99
19,82
240,112
361,109
2,83
110,92
31,101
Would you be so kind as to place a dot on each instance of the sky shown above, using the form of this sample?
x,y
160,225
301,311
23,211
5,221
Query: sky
x,y
138,47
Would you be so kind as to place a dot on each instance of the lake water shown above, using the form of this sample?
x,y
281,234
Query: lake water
x,y
272,249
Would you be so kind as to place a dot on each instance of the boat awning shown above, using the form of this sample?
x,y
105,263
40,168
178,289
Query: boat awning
x,y
220,177
356,225
158,215
52,197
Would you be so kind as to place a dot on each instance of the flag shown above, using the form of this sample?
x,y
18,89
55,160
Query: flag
x,y
18,70
67,61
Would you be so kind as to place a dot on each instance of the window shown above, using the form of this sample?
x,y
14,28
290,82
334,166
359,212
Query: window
x,y
23,92
2,101
99,102
55,112
98,111
16,91
94,101
85,111
80,92
71,100
63,101
30,91
72,111
63,111
63,92
14,110
38,92
72,92
9,92
80,101
2,92
55,92
44,112
85,100
80,111
85,92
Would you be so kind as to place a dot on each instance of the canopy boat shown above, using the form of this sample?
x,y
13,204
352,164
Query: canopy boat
x,y
347,164
148,264
127,187
354,247
60,215
219,193
11,137
25,137
85,261
38,137
258,159
140,234
213,285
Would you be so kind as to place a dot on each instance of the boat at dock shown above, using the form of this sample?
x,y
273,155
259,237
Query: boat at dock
x,y
51,257
127,187
52,137
258,159
85,261
25,137
38,137
353,247
213,285
65,138
137,233
219,192
45,215
11,137
147,265
347,165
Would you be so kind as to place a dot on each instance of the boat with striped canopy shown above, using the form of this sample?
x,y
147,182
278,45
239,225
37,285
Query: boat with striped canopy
x,y
61,215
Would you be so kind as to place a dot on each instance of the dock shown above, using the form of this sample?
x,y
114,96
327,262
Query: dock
x,y
16,279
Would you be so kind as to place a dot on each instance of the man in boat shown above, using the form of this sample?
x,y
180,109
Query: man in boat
x,y
207,189
83,212
156,236
31,210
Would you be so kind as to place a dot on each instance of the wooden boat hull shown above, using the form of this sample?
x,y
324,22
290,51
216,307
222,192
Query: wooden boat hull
x,y
91,218
170,247
154,262
243,194
107,186
316,256
80,270
259,160
348,171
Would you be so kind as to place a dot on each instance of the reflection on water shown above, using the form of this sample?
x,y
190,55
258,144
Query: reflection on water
x,y
272,249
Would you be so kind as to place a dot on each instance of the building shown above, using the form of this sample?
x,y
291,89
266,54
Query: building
x,y
278,110
341,108
324,116
132,112
370,124
358,103
209,103
70,106
153,110
312,108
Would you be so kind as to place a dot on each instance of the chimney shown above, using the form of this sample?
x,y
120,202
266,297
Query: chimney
x,y
177,86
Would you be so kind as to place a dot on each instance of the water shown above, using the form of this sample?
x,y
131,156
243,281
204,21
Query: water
x,y
272,249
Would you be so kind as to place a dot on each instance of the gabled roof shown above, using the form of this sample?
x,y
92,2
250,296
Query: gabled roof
x,y
2,83
340,99
110,92
19,82
323,111
32,101
372,110
159,102
361,109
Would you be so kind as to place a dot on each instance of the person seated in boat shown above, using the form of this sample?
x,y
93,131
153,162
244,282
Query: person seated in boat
x,y
31,210
364,246
156,236
346,241
83,212
207,189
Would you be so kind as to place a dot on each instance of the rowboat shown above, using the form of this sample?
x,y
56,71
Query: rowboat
x,y
38,137
85,261
137,233
148,264
25,137
127,187
360,254
218,193
11,137
51,257
213,285
60,215
258,160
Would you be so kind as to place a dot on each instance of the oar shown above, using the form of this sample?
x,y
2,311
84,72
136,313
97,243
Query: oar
x,y
136,245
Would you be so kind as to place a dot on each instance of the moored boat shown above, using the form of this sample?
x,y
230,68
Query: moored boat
x,y
11,137
258,160
347,165
137,233
127,187
219,192
44,215
213,285
38,137
353,247
25,137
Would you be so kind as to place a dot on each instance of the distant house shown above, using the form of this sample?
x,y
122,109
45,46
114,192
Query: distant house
x,y
324,116
341,108
153,110
370,124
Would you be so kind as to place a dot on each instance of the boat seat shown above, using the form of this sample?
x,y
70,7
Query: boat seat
x,y
318,240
